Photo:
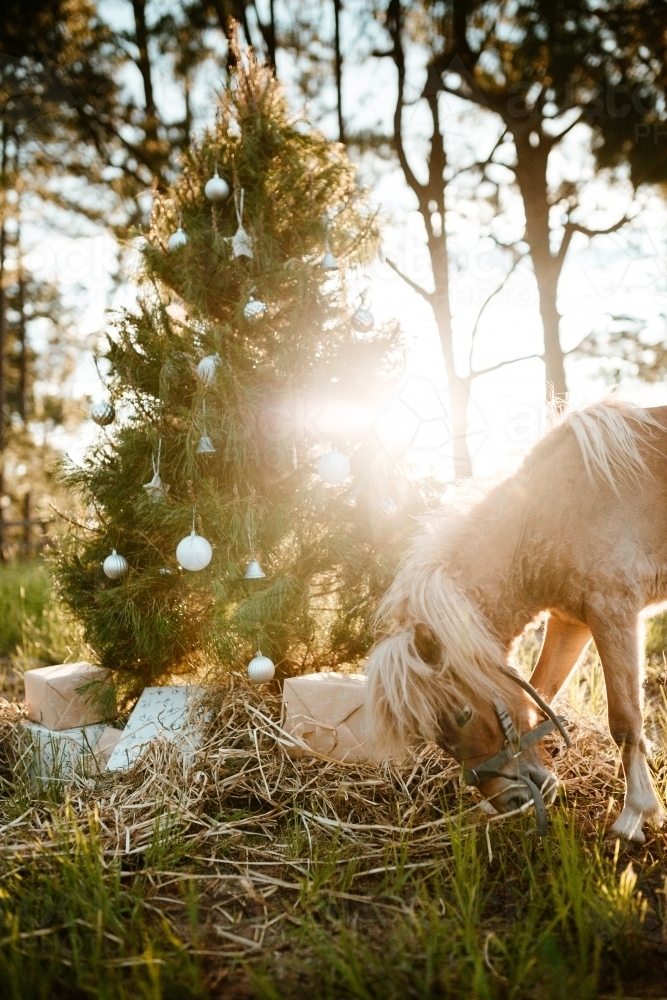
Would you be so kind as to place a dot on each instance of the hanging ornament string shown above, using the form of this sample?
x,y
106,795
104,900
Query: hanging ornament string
x,y
241,242
253,570
329,262
205,446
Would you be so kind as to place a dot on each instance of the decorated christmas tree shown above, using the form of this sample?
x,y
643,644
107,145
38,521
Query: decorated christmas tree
x,y
229,510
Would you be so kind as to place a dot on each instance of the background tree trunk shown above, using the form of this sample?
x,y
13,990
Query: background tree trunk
x,y
338,68
531,175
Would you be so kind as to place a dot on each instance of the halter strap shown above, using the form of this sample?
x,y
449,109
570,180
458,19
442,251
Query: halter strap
x,y
515,745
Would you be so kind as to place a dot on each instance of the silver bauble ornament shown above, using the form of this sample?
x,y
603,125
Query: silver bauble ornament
x,y
334,467
207,368
216,189
363,320
205,446
261,669
177,240
164,571
194,552
254,571
102,414
115,566
156,489
254,310
388,506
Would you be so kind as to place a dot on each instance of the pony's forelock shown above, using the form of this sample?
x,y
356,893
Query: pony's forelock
x,y
408,696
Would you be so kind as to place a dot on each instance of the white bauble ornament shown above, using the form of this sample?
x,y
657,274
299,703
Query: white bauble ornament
x,y
207,368
194,552
254,571
260,669
115,566
103,414
334,467
363,320
254,310
177,240
217,188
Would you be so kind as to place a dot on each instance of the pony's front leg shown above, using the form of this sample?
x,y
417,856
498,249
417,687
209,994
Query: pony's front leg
x,y
622,655
564,639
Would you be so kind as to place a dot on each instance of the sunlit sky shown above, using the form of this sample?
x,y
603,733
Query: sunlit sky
x,y
624,273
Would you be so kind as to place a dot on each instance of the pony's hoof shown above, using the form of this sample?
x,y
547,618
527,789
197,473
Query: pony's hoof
x,y
658,819
629,826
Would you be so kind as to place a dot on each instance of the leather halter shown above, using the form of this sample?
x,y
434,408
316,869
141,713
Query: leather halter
x,y
515,745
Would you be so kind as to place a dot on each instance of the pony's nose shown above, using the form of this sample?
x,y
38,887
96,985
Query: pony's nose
x,y
516,794
546,781
515,797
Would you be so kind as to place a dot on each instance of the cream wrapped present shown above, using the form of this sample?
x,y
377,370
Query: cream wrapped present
x,y
327,712
67,696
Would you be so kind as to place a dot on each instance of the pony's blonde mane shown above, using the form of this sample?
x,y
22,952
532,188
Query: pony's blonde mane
x,y
407,696
608,433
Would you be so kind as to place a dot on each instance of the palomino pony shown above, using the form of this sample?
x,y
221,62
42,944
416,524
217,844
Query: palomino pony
x,y
580,531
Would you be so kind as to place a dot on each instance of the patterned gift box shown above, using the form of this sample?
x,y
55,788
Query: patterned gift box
x,y
160,711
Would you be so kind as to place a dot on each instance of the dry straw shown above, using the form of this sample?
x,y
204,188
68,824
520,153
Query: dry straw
x,y
248,821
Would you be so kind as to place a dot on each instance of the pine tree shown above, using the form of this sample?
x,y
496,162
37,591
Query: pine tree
x,y
327,551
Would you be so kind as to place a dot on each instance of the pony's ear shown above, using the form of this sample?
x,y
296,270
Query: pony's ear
x,y
427,646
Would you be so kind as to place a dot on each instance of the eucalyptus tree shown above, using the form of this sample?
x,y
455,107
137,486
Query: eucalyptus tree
x,y
541,69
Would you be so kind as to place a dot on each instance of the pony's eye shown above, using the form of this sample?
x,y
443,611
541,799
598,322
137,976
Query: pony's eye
x,y
464,716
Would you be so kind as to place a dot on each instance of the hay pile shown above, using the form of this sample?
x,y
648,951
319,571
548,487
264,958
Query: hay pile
x,y
249,824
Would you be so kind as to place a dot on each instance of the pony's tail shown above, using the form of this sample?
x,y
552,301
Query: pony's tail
x,y
403,696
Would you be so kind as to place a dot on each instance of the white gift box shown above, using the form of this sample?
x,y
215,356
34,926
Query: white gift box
x,y
59,752
327,712
67,695
160,711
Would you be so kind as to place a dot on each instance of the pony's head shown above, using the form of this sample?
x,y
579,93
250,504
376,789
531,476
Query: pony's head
x,y
440,674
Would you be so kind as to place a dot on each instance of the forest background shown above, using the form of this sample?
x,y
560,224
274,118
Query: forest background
x,y
523,248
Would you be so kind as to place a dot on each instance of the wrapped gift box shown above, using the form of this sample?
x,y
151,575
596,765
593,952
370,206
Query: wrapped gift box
x,y
160,711
327,712
59,752
103,749
67,696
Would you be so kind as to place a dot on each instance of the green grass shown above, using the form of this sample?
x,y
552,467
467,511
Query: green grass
x,y
561,920
492,913
25,591
34,629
